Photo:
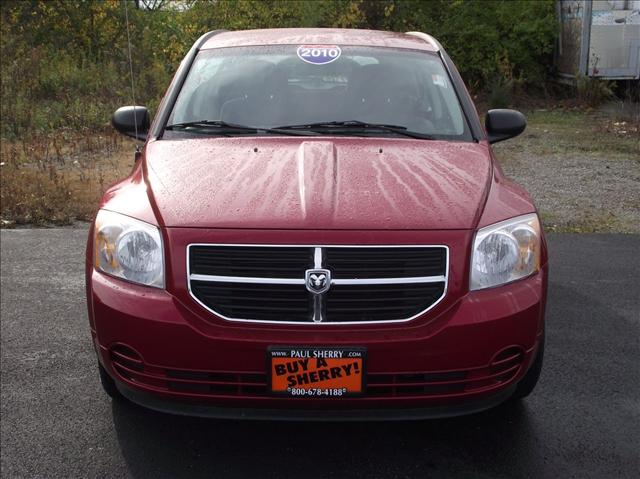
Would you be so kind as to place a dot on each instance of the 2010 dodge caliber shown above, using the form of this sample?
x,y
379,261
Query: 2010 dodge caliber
x,y
316,228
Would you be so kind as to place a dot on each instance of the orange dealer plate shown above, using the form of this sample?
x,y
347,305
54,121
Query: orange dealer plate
x,y
316,371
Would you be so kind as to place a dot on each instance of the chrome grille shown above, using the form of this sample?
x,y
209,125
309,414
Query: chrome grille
x,y
319,284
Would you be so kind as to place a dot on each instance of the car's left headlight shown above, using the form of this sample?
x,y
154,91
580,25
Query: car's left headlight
x,y
129,249
505,252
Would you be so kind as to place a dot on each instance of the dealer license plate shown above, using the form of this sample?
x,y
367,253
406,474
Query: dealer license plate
x,y
316,371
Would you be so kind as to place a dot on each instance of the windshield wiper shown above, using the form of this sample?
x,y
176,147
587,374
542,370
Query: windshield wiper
x,y
208,124
226,128
356,125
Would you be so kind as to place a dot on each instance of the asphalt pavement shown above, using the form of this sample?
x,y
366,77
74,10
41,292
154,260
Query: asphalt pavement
x,y
582,421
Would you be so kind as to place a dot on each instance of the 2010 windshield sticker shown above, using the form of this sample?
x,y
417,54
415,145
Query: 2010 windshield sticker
x,y
319,54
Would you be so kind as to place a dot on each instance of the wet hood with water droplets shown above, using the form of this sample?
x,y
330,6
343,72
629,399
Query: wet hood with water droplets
x,y
304,183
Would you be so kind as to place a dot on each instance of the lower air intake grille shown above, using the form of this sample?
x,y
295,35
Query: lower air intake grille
x,y
251,384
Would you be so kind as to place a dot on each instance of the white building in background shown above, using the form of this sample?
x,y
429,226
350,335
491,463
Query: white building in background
x,y
599,38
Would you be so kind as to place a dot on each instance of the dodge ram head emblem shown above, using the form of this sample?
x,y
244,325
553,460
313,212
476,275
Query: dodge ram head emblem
x,y
318,280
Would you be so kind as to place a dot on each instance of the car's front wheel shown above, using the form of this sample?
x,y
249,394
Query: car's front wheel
x,y
108,383
528,383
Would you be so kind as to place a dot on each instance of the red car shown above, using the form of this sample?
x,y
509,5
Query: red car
x,y
316,228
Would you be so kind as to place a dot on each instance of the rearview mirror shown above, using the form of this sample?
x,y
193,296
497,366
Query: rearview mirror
x,y
504,124
131,119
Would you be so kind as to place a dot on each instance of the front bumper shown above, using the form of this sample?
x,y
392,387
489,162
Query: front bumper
x,y
184,408
466,357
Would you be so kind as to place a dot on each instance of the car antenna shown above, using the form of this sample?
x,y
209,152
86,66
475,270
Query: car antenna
x,y
133,91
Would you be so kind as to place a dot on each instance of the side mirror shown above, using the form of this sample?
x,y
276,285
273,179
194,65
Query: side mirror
x,y
504,124
127,118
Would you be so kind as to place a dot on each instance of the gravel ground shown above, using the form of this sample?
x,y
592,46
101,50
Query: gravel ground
x,y
583,170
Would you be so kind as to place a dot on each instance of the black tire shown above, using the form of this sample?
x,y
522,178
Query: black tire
x,y
528,383
108,384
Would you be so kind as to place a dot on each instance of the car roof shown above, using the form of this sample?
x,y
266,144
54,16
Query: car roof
x,y
321,36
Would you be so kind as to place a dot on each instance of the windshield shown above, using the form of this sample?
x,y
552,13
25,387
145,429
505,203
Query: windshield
x,y
285,86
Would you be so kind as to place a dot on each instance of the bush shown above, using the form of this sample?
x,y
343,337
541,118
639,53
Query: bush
x,y
482,36
65,62
500,93
65,68
594,91
32,196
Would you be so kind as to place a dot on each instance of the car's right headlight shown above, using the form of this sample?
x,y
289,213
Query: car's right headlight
x,y
129,249
505,252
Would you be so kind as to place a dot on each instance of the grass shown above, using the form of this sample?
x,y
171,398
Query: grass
x,y
581,167
560,132
59,178
589,222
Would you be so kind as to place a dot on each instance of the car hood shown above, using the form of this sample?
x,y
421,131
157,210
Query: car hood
x,y
303,183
